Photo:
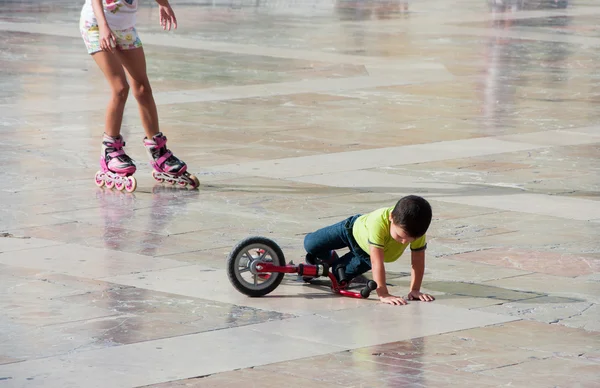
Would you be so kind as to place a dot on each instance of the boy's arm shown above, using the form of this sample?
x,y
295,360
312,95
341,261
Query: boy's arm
x,y
417,259
378,269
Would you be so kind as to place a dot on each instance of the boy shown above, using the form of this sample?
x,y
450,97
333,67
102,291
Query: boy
x,y
374,238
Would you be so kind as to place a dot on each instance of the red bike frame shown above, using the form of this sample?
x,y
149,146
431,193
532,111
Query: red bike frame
x,y
313,271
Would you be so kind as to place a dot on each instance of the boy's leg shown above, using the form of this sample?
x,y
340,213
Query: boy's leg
x,y
134,62
353,264
321,242
111,66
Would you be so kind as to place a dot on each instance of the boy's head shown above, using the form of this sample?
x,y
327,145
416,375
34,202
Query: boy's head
x,y
410,218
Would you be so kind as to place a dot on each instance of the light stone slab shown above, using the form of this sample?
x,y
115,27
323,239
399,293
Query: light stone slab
x,y
10,244
83,261
41,312
292,296
544,309
437,74
556,137
242,347
554,206
174,40
591,130
382,182
462,16
439,268
522,34
373,158
466,302
378,324
162,360
553,285
94,103
587,319
35,292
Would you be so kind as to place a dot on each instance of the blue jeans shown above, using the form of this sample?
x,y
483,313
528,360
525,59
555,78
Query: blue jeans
x,y
337,236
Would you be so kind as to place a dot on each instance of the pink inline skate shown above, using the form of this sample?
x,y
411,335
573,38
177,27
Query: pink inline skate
x,y
116,167
167,167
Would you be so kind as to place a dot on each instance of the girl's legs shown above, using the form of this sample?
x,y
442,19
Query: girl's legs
x,y
113,72
162,159
134,62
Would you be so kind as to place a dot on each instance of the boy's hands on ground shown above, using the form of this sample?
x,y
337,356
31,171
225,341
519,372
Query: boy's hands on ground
x,y
393,300
167,17
417,295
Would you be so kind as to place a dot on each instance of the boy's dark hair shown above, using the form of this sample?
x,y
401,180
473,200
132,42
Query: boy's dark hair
x,y
413,214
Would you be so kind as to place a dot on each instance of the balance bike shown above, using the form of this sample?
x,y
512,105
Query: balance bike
x,y
256,266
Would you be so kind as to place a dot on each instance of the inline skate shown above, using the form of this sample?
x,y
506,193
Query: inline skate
x,y
116,166
166,166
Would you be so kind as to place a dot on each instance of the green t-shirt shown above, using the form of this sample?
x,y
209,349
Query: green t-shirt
x,y
374,229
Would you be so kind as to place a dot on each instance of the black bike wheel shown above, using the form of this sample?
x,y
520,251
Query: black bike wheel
x,y
239,264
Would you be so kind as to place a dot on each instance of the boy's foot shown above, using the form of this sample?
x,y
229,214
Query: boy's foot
x,y
313,260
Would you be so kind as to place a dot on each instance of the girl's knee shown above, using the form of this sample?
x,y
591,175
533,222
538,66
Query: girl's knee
x,y
120,92
142,91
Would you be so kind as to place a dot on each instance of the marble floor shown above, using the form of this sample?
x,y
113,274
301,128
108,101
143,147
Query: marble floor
x,y
295,114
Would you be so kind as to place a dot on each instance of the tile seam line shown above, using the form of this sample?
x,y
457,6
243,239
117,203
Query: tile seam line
x,y
194,96
534,36
58,243
116,315
183,265
500,138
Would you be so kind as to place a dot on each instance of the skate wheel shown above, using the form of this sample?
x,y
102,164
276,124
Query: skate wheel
x,y
109,183
156,177
195,182
99,179
130,185
119,185
171,181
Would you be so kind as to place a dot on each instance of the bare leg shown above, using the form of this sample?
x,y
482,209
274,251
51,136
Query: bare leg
x,y
113,71
134,62
166,166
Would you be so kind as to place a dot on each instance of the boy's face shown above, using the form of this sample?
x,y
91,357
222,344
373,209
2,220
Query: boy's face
x,y
399,234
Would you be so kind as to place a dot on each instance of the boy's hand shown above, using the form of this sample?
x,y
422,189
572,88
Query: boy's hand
x,y
416,295
391,299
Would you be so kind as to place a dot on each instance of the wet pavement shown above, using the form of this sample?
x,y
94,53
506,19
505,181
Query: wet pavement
x,y
294,115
